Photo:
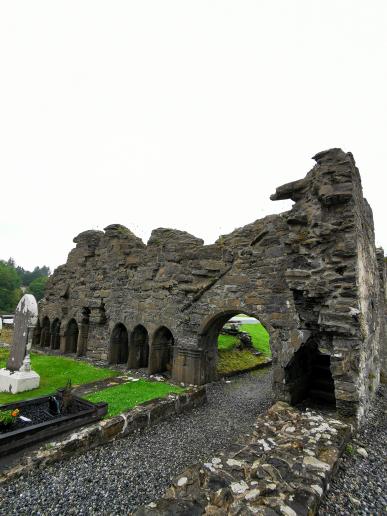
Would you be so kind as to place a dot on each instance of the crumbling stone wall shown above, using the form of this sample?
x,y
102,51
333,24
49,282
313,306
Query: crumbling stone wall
x,y
310,275
383,314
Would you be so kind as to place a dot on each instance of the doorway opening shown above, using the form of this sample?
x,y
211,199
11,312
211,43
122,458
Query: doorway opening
x,y
161,358
119,349
72,336
234,342
139,348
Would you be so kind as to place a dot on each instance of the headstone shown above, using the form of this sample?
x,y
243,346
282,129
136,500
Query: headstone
x,y
17,376
26,316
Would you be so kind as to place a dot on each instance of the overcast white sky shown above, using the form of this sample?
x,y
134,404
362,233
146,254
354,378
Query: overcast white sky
x,y
183,114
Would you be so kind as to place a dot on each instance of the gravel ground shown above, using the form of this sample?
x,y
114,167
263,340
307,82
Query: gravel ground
x,y
359,487
118,477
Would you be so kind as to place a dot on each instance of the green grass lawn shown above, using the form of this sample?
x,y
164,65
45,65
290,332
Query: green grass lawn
x,y
226,342
54,373
233,360
127,395
260,338
230,359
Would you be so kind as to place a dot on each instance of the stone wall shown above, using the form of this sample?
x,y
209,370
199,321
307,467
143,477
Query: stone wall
x,y
383,314
310,275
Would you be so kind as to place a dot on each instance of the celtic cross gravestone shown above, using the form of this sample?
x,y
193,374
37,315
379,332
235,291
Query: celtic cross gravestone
x,y
17,375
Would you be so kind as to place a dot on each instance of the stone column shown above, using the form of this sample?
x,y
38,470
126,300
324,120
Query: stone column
x,y
189,366
62,337
82,337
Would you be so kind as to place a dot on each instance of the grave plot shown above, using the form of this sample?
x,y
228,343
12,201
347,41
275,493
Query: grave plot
x,y
39,414
29,422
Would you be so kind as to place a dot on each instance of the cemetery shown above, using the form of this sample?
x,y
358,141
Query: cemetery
x,y
147,334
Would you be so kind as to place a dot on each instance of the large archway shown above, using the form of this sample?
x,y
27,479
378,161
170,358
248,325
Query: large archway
x,y
161,353
233,340
45,335
72,336
55,334
139,348
119,349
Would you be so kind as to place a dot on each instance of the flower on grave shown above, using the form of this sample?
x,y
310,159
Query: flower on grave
x,y
7,417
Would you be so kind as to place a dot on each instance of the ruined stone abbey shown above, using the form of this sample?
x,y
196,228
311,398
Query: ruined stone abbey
x,y
311,275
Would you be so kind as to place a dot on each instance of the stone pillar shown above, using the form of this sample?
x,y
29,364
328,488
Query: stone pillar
x,y
133,360
189,366
62,337
82,337
156,352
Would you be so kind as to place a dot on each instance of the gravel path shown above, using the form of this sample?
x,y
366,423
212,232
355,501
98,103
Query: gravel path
x,y
360,485
114,479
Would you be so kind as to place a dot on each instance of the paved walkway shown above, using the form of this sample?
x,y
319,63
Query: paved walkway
x,y
115,479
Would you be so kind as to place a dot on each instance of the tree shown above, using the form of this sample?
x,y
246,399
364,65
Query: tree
x,y
12,277
10,292
37,287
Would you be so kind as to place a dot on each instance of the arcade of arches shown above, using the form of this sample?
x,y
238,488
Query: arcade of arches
x,y
308,274
131,351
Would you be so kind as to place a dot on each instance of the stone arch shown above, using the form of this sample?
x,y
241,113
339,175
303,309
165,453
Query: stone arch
x,y
55,334
72,333
139,347
119,348
45,334
208,338
161,352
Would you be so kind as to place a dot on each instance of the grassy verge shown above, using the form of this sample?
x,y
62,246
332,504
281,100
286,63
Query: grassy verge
x,y
54,373
260,337
230,359
127,395
227,342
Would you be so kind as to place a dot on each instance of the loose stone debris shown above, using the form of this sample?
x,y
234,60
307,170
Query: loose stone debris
x,y
283,467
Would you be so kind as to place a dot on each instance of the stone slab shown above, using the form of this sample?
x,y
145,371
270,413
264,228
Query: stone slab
x,y
18,381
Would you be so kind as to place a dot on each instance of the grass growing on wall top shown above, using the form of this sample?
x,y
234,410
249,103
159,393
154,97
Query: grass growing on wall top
x,y
54,373
127,395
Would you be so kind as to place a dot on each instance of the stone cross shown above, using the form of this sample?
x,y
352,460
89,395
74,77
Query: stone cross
x,y
25,319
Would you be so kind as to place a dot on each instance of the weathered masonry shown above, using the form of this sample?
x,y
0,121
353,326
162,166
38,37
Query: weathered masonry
x,y
311,275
